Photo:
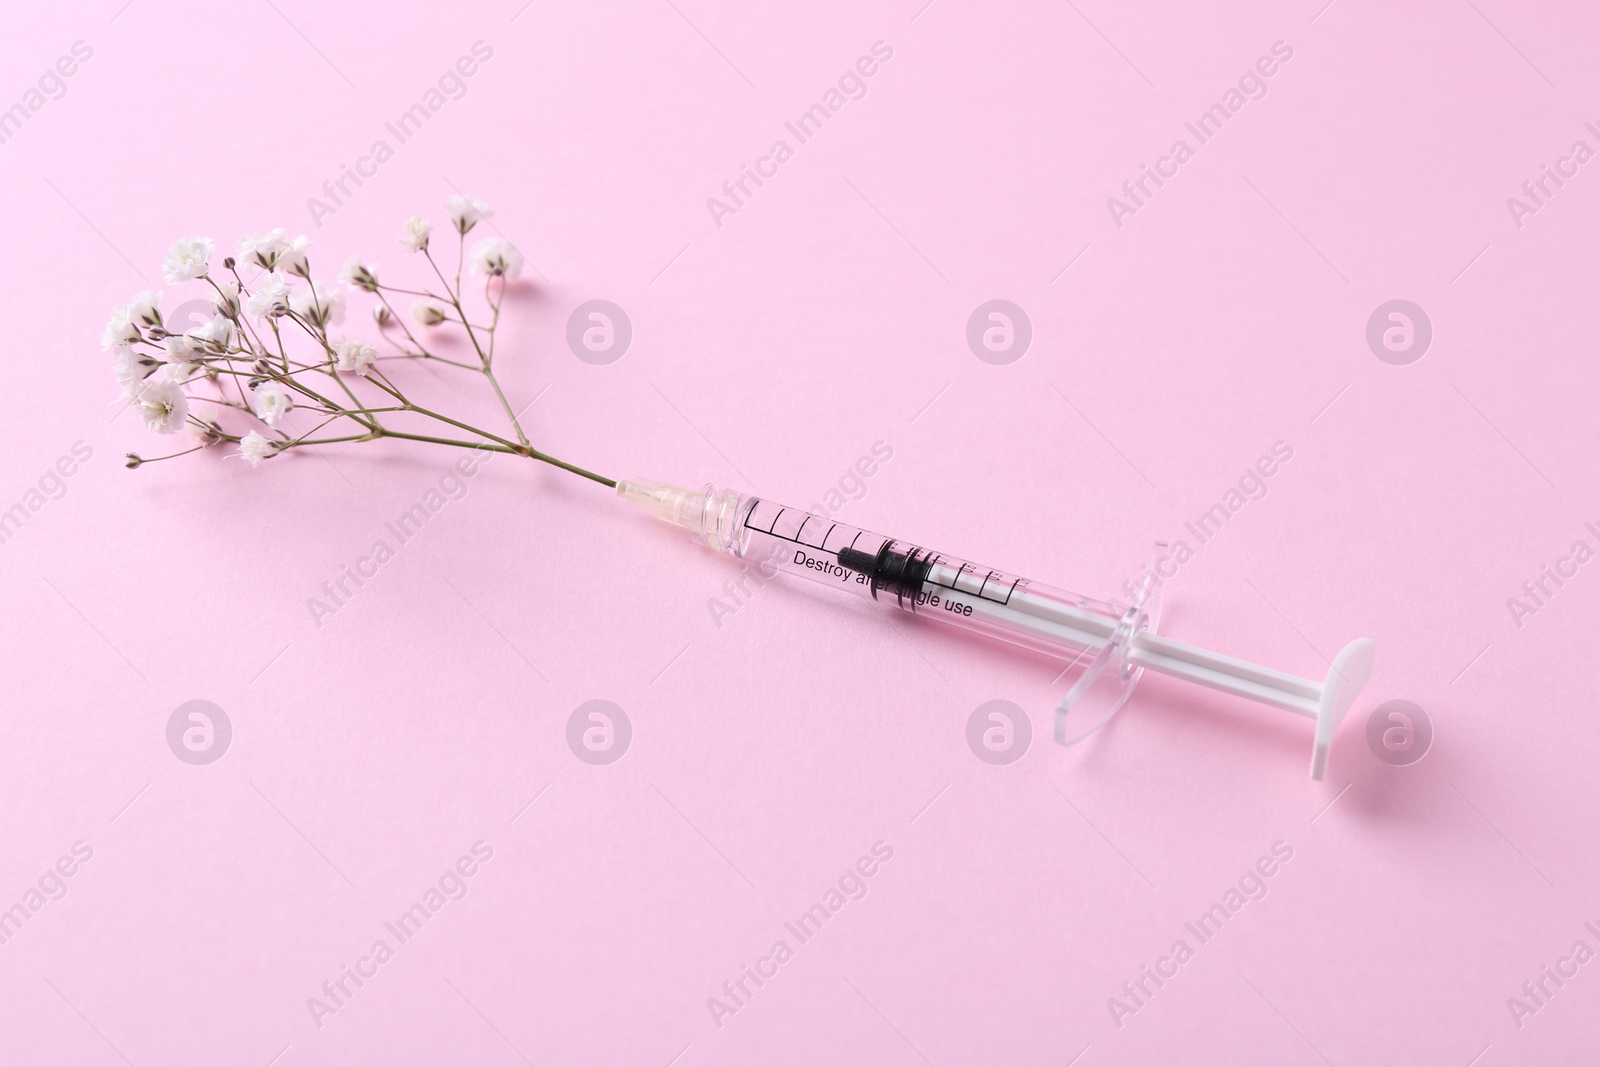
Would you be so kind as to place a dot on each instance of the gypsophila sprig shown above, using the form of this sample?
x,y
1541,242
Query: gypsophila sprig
x,y
263,378
355,356
144,310
262,249
429,312
272,298
358,275
187,260
294,260
318,305
465,213
496,256
414,233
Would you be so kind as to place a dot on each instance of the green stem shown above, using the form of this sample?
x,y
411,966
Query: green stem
x,y
554,462
436,359
455,298
334,440
411,292
507,448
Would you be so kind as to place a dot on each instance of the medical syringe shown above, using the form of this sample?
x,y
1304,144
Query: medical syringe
x,y
1120,641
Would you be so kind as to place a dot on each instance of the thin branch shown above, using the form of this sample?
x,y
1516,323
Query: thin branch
x,y
254,360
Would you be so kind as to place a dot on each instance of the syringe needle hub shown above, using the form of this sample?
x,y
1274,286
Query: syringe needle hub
x,y
681,507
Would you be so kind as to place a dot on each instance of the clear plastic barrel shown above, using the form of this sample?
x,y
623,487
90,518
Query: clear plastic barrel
x,y
775,539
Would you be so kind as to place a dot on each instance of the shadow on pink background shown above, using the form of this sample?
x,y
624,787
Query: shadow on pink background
x,y
781,739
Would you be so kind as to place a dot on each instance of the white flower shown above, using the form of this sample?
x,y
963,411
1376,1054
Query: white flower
x,y
204,430
162,405
190,258
414,233
359,275
132,368
270,298
216,335
144,309
255,448
466,213
381,315
496,256
271,402
317,305
292,260
226,299
263,249
355,356
120,330
183,356
427,312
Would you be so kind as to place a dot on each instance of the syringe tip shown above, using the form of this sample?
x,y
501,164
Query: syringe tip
x,y
671,503
711,514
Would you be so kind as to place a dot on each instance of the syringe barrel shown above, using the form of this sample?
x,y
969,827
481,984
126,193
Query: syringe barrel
x,y
773,538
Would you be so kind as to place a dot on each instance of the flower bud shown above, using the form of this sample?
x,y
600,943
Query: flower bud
x,y
380,313
144,309
132,460
358,275
293,260
226,299
205,431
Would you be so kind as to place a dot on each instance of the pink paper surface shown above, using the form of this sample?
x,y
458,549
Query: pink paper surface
x,y
779,740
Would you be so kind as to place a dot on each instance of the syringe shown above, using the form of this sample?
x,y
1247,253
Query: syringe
x,y
1120,640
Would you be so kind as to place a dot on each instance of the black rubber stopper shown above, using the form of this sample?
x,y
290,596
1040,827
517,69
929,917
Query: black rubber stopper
x,y
899,569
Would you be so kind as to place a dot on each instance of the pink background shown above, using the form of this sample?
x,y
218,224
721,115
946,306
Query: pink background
x,y
769,354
